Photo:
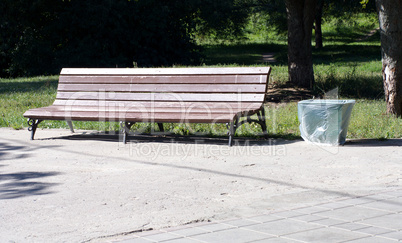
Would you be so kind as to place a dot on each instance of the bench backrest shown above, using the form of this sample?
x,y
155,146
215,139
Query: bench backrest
x,y
91,86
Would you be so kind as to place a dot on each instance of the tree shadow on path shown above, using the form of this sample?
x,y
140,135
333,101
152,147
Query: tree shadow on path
x,y
24,183
20,184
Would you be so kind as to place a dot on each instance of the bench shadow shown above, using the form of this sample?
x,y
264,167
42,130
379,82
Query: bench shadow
x,y
171,138
374,143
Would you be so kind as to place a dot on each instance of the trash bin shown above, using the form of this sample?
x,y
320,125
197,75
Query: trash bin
x,y
324,121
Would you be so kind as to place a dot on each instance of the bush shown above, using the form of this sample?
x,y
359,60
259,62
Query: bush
x,y
42,36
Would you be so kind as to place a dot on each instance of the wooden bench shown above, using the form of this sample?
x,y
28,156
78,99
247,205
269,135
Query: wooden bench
x,y
159,95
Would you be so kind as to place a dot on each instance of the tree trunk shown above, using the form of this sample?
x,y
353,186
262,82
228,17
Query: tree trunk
x,y
389,15
300,14
317,26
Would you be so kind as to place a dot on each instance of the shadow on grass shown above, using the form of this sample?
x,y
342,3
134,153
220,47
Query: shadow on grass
x,y
23,85
244,54
351,86
339,54
251,53
352,34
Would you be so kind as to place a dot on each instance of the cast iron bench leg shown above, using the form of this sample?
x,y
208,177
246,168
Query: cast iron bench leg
x,y
160,125
126,129
232,129
263,122
32,125
70,125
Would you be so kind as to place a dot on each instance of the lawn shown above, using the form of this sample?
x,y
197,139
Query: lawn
x,y
349,62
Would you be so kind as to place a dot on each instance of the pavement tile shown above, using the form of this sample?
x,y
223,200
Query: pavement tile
x,y
328,222
288,214
276,240
357,201
381,196
333,205
282,227
215,227
135,240
264,218
351,226
308,218
352,213
188,231
237,235
326,235
392,205
311,210
372,240
240,222
390,221
161,237
374,230
182,240
395,235
149,232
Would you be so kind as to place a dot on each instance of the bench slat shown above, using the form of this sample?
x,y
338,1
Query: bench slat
x,y
207,79
165,71
134,116
145,104
185,110
165,104
178,97
175,88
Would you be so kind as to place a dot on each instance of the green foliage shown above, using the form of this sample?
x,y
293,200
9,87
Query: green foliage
x,y
221,20
40,37
56,34
338,8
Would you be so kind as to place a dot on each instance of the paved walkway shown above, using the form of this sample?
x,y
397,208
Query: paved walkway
x,y
370,218
88,187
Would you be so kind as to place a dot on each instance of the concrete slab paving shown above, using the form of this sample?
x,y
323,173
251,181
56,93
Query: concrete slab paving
x,y
270,228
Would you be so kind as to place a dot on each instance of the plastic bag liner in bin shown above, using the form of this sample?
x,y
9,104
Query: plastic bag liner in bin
x,y
324,121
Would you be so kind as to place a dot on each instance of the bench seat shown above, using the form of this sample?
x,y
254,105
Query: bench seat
x,y
165,95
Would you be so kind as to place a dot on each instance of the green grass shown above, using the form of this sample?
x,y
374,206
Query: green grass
x,y
354,67
18,95
370,121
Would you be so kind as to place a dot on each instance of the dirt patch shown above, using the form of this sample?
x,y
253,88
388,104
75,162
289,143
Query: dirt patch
x,y
287,94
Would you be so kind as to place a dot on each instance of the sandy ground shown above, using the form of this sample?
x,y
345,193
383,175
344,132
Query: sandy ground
x,y
90,187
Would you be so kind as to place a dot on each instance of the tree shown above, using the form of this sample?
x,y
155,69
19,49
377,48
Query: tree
x,y
300,15
39,37
337,8
317,25
389,15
